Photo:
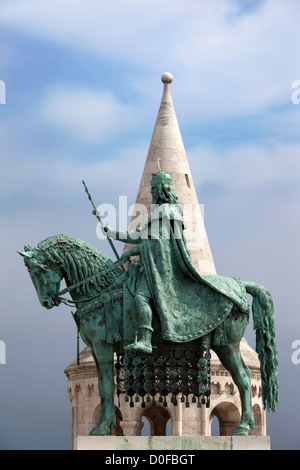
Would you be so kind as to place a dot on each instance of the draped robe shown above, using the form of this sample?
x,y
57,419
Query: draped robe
x,y
189,305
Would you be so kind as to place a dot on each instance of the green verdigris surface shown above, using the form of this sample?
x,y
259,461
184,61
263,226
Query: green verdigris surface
x,y
112,303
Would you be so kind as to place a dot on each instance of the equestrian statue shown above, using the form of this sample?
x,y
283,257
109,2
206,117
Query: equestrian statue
x,y
152,296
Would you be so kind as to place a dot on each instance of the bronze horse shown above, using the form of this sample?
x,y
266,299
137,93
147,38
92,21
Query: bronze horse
x,y
96,286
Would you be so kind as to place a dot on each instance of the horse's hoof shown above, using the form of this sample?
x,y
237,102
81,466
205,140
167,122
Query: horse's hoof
x,y
241,430
100,431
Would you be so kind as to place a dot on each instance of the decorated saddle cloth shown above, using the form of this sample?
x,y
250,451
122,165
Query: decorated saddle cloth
x,y
189,306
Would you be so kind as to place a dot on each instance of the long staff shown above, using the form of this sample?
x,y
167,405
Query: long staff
x,y
96,213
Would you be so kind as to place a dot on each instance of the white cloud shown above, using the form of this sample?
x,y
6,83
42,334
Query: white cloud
x,y
43,180
227,61
248,166
117,176
92,116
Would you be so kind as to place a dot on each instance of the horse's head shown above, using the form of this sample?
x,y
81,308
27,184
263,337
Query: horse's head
x,y
77,262
45,280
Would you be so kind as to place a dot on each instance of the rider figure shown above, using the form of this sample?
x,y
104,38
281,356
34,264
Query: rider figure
x,y
166,215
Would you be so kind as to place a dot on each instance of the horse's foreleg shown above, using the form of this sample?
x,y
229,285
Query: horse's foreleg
x,y
104,357
231,358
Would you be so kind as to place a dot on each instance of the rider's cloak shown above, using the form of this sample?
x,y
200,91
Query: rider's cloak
x,y
189,305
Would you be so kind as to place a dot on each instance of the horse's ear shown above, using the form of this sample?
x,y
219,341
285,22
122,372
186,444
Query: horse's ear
x,y
27,251
27,254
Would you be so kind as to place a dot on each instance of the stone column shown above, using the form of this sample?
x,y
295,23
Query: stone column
x,y
131,427
204,421
131,423
177,420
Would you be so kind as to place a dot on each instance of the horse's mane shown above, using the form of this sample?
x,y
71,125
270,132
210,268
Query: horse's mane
x,y
76,258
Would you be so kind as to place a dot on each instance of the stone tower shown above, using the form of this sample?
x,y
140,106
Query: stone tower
x,y
167,146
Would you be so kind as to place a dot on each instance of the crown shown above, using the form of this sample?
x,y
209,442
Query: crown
x,y
162,178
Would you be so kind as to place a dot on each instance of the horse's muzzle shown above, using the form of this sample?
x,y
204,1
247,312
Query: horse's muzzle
x,y
48,303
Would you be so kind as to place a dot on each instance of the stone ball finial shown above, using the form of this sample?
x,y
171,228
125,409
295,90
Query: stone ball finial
x,y
167,77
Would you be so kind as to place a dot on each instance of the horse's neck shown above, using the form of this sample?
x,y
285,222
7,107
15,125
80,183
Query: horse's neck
x,y
81,269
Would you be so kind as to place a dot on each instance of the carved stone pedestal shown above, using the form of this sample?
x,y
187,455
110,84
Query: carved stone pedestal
x,y
172,443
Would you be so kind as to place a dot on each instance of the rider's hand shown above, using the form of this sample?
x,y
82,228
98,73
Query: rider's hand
x,y
104,230
125,256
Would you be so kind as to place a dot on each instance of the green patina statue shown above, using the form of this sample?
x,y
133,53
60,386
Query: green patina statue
x,y
186,308
160,300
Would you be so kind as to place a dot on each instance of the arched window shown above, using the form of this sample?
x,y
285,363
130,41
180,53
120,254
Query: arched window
x,y
156,421
257,431
228,416
215,427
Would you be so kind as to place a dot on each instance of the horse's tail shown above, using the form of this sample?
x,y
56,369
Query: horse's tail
x,y
264,325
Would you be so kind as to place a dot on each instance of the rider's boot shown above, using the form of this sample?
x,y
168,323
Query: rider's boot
x,y
144,342
143,338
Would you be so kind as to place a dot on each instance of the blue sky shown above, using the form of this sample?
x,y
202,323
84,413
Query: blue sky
x,y
82,93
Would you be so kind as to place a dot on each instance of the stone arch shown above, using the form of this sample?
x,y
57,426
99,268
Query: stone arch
x,y
214,426
215,388
157,417
114,431
96,414
258,430
229,388
228,416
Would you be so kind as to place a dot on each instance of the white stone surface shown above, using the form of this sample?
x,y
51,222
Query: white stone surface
x,y
172,443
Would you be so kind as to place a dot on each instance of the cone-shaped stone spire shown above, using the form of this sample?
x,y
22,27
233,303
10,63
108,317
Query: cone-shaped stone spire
x,y
166,144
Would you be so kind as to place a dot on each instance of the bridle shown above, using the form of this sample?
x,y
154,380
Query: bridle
x,y
71,303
